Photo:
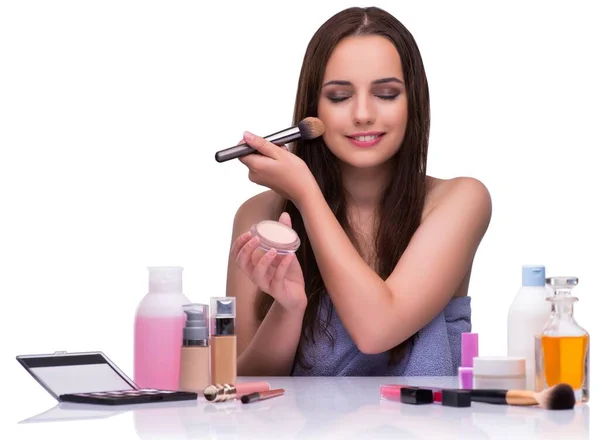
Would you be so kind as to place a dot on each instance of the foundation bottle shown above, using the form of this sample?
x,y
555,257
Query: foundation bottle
x,y
194,373
562,349
223,344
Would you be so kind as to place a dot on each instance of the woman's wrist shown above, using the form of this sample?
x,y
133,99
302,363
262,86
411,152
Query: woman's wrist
x,y
295,309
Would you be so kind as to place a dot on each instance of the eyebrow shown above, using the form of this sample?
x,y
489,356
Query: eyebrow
x,y
391,79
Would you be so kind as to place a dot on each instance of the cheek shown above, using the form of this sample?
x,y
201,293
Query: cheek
x,y
334,119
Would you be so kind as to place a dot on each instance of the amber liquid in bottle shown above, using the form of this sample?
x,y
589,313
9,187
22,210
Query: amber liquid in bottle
x,y
562,350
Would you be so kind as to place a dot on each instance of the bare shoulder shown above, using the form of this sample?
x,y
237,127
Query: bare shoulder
x,y
263,206
460,195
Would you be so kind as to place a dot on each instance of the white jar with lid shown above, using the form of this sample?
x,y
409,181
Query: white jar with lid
x,y
499,372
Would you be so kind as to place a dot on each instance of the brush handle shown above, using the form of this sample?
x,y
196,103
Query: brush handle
x,y
234,152
504,397
280,138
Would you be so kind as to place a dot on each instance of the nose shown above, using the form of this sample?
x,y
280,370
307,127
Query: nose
x,y
364,110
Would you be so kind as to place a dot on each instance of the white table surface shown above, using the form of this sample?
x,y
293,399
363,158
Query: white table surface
x,y
312,408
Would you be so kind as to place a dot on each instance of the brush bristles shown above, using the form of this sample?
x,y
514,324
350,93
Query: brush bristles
x,y
559,396
311,128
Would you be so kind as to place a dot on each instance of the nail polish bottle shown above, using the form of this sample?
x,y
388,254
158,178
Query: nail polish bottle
x,y
223,344
194,373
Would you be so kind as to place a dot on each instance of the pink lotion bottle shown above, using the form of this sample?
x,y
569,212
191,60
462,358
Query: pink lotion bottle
x,y
158,332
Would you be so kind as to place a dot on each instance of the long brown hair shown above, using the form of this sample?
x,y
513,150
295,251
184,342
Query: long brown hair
x,y
401,207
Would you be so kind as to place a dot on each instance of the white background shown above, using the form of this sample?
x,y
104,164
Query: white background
x,y
111,112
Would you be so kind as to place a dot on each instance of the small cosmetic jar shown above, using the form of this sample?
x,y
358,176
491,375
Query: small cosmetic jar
x,y
499,372
276,235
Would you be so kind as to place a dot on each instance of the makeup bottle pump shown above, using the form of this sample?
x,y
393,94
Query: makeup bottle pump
x,y
158,330
527,317
223,344
194,374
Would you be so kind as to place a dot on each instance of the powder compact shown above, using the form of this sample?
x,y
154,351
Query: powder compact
x,y
276,235
90,377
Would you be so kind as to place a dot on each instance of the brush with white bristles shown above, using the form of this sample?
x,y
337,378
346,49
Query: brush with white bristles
x,y
559,396
308,128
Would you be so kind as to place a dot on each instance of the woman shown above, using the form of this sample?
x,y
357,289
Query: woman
x,y
379,284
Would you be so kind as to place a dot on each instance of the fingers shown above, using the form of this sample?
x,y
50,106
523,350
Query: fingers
x,y
239,242
244,257
285,219
261,145
260,273
279,276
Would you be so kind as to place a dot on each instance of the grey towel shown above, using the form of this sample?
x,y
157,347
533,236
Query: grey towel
x,y
436,351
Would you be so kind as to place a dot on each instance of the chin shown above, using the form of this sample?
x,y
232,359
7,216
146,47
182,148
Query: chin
x,y
365,159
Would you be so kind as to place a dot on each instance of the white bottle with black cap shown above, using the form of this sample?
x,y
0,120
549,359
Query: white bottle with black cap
x,y
194,375
527,317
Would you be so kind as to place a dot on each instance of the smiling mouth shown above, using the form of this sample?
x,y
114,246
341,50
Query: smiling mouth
x,y
366,140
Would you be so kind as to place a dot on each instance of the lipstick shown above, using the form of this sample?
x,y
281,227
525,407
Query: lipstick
x,y
395,392
414,395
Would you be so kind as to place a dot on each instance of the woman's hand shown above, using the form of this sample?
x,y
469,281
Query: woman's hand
x,y
279,276
277,168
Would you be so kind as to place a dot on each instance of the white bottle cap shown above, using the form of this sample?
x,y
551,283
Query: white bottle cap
x,y
165,279
498,366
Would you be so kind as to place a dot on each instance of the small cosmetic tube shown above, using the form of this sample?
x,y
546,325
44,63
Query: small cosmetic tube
x,y
223,345
499,372
194,370
262,395
469,350
276,235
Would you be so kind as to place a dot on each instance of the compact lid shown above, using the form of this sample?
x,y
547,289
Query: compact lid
x,y
66,373
498,366
274,234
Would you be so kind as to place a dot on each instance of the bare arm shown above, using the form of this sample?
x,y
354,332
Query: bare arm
x,y
380,314
265,348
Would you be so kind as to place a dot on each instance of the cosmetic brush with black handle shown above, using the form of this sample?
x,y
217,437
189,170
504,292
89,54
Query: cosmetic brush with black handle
x,y
308,128
559,396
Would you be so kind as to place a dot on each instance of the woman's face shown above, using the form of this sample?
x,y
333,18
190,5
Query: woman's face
x,y
363,101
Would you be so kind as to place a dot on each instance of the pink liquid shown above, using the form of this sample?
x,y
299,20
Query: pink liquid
x,y
157,351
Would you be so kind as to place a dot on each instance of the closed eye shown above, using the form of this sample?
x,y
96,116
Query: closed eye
x,y
337,99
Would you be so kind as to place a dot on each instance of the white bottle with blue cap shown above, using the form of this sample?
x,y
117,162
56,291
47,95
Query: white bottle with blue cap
x,y
527,317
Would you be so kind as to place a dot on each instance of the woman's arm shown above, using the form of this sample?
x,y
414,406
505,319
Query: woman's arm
x,y
380,314
267,348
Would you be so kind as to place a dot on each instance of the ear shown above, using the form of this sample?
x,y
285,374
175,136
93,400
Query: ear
x,y
285,219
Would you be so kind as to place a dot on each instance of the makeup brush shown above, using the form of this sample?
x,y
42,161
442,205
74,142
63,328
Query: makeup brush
x,y
559,396
308,128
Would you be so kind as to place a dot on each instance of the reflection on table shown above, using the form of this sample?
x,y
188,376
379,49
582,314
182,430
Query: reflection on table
x,y
314,408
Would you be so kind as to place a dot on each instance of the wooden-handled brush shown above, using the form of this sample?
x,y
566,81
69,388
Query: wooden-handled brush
x,y
559,396
308,128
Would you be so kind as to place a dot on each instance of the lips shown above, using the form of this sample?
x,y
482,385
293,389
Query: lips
x,y
364,140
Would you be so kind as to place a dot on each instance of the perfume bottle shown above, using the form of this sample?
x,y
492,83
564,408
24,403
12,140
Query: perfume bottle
x,y
562,349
